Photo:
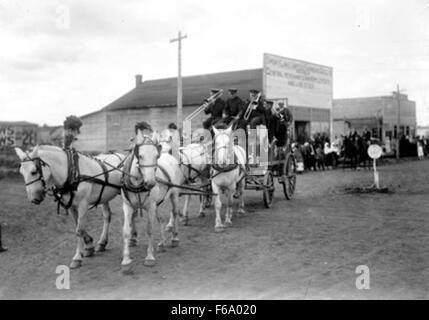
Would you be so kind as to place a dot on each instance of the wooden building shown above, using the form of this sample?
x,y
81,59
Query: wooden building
x,y
307,86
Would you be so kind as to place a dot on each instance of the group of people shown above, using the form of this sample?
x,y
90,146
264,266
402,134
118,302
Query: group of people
x,y
318,152
254,112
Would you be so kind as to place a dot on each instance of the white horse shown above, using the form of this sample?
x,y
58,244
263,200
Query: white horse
x,y
194,164
227,174
48,166
149,179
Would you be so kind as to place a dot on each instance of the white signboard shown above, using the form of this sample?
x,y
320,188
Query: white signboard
x,y
374,151
305,84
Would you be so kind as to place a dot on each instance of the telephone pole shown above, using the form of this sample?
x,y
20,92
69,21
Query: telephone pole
x,y
179,83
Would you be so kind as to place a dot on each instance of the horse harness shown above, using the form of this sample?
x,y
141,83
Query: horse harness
x,y
227,168
188,177
74,178
128,186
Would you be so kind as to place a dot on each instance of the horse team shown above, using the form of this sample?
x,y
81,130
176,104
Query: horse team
x,y
145,177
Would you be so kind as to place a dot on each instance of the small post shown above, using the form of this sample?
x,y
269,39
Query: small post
x,y
376,177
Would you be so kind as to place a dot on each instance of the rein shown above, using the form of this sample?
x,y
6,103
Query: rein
x,y
39,163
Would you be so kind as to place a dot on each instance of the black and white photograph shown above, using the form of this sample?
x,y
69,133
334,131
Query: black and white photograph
x,y
236,151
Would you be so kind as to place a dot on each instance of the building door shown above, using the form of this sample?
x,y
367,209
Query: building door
x,y
302,131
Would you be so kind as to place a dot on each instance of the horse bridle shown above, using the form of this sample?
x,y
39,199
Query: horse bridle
x,y
146,142
39,163
221,147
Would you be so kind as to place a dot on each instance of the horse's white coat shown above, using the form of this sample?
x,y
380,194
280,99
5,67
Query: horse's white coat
x,y
86,195
232,181
151,175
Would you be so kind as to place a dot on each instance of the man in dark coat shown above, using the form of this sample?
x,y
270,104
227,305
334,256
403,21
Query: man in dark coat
x,y
215,109
234,108
279,121
257,115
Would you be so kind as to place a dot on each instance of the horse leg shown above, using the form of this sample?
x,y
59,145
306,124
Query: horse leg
x,y
228,214
149,261
162,244
133,239
77,258
203,200
126,233
185,210
241,204
104,238
174,218
219,227
80,230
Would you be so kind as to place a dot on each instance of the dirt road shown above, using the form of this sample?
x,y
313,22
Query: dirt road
x,y
305,248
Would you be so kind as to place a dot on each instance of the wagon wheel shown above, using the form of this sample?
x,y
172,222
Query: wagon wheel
x,y
288,178
268,191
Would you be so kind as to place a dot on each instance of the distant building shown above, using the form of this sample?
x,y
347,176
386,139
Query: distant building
x,y
306,86
377,114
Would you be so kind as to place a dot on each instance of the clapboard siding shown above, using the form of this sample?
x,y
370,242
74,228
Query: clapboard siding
x,y
93,133
121,123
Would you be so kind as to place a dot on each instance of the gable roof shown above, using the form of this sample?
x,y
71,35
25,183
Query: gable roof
x,y
163,92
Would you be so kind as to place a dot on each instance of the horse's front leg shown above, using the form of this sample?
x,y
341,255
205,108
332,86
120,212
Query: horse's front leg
x,y
104,238
241,209
77,258
126,233
228,214
219,227
80,229
162,227
173,224
185,210
149,261
133,240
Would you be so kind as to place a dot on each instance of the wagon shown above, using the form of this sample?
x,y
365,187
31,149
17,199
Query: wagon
x,y
281,165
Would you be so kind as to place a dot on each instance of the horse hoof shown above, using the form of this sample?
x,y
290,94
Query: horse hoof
x,y
75,264
174,243
228,224
133,243
161,248
88,252
127,269
101,247
185,221
202,215
219,229
169,228
149,262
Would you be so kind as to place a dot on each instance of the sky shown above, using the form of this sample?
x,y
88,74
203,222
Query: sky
x,y
62,57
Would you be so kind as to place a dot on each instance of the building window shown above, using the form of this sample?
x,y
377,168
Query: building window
x,y
395,131
408,131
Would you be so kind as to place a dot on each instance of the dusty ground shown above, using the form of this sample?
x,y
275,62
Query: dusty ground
x,y
305,248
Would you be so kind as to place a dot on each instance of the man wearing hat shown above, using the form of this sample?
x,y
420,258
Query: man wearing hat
x,y
281,118
233,109
257,115
215,109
